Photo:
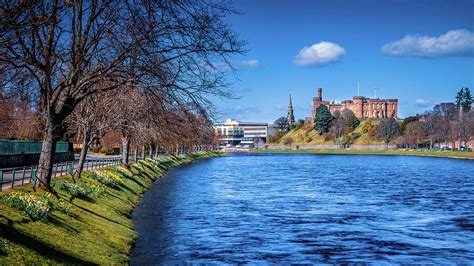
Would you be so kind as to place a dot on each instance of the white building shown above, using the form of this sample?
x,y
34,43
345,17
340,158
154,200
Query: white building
x,y
243,134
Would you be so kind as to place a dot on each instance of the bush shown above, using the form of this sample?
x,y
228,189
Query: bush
x,y
288,141
75,190
3,244
36,207
106,178
124,171
58,205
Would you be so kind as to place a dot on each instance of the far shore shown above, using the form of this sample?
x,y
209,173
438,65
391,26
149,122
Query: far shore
x,y
408,152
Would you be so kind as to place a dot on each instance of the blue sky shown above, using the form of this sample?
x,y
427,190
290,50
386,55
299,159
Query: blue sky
x,y
421,52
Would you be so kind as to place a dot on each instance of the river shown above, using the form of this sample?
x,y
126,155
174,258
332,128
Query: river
x,y
302,208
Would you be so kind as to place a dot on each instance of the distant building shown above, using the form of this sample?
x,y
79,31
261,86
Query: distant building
x,y
233,133
290,117
362,107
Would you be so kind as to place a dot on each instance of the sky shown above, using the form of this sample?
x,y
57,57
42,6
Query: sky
x,y
419,51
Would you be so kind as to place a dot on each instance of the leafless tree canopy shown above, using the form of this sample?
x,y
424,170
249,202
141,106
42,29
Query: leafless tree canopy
x,y
173,54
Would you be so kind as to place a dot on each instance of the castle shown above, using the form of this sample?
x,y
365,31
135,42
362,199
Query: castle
x,y
361,106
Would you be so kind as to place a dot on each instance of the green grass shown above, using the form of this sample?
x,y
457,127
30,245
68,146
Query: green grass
x,y
431,153
96,229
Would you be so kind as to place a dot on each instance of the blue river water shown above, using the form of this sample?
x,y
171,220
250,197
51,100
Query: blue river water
x,y
301,208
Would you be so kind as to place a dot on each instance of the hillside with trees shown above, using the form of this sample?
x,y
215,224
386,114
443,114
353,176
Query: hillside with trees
x,y
446,126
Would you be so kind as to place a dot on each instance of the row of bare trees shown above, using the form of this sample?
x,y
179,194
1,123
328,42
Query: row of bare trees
x,y
446,126
140,67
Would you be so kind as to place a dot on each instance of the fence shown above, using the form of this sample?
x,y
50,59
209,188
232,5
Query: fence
x,y
16,177
15,147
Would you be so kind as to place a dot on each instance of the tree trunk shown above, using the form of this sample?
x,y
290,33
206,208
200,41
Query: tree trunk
x,y
82,157
157,150
45,165
136,154
125,149
143,152
150,152
177,150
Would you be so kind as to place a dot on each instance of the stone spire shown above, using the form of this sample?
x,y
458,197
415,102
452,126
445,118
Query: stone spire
x,y
290,117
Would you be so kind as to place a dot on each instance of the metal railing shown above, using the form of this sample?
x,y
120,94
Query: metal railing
x,y
11,178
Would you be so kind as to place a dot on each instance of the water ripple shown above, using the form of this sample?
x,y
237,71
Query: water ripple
x,y
305,209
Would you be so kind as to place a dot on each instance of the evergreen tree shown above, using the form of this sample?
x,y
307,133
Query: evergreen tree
x,y
464,100
467,100
323,119
459,98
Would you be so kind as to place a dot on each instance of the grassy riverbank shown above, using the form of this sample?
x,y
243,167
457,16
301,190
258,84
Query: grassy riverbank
x,y
430,153
87,222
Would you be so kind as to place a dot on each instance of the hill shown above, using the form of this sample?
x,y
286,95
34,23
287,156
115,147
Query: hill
x,y
307,135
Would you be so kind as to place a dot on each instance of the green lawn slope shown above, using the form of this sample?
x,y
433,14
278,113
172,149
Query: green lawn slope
x,y
88,226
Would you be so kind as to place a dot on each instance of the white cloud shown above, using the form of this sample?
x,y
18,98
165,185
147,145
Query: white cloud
x,y
453,43
253,63
423,102
319,54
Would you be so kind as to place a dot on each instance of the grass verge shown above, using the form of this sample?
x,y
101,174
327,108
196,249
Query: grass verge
x,y
409,152
87,222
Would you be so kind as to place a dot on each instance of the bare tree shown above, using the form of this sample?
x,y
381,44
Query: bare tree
x,y
430,127
92,119
67,48
388,129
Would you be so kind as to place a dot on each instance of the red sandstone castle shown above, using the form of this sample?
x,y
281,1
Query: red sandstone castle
x,y
361,106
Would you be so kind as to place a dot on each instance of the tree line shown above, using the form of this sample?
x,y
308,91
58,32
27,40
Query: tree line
x,y
142,68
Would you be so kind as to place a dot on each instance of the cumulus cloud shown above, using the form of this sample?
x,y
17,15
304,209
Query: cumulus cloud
x,y
423,102
319,54
453,43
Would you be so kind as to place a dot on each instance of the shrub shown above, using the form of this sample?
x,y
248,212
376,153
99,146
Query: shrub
x,y
124,171
3,244
75,190
106,178
58,205
138,167
36,207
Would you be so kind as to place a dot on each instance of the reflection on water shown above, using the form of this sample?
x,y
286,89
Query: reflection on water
x,y
309,209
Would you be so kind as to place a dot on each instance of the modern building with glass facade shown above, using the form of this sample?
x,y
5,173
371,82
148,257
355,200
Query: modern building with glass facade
x,y
234,133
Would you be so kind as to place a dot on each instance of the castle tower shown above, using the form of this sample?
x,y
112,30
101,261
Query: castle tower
x,y
290,117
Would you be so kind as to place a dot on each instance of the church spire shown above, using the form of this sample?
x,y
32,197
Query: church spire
x,y
291,117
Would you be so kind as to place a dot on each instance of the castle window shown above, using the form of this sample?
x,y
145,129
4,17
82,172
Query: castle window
x,y
378,106
357,105
393,106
